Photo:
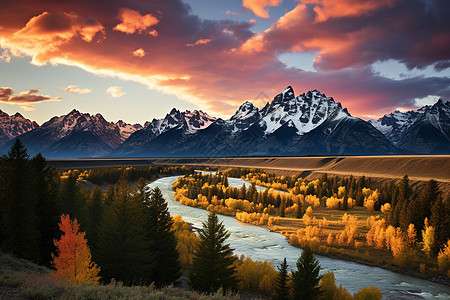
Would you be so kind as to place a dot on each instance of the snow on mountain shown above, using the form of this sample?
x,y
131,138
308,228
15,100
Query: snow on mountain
x,y
393,124
424,130
12,126
190,122
305,112
246,115
127,129
197,120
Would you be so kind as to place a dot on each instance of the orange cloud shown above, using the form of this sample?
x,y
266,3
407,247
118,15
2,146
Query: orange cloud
x,y
115,91
240,64
199,42
47,32
7,96
139,53
326,9
133,21
76,90
27,107
258,6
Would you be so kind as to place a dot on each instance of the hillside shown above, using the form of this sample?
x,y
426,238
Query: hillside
x,y
21,279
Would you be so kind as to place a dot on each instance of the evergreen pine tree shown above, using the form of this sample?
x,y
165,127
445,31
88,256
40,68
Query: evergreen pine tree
x,y
18,220
46,182
299,212
162,239
282,208
95,210
404,193
71,198
306,279
123,251
440,220
282,288
212,263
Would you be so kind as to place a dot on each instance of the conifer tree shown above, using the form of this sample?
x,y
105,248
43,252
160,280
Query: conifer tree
x,y
70,198
46,182
404,193
123,250
73,261
162,239
282,288
95,210
440,220
212,263
306,279
18,219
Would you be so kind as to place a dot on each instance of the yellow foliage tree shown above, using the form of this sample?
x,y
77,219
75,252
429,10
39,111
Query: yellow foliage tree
x,y
371,293
73,261
427,237
330,291
444,259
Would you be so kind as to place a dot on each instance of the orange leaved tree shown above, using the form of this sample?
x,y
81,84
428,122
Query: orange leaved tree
x,y
73,261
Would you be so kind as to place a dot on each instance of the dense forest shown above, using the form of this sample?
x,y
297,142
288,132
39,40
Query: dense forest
x,y
127,234
414,225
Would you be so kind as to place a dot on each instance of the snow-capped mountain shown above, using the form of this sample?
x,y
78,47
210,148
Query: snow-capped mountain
x,y
285,126
75,135
12,126
127,129
187,121
308,124
392,125
425,130
305,112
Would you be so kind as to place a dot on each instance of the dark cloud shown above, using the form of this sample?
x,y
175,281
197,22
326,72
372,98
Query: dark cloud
x,y
6,96
219,63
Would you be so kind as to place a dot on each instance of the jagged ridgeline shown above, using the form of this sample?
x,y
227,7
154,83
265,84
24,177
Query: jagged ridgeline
x,y
308,124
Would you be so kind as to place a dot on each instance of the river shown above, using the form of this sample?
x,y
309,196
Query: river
x,y
260,244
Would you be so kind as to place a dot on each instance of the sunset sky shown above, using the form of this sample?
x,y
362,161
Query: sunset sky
x,y
135,60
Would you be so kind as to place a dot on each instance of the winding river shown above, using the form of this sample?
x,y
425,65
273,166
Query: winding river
x,y
260,244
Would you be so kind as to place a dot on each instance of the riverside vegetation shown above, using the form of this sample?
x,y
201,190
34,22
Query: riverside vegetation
x,y
389,225
123,243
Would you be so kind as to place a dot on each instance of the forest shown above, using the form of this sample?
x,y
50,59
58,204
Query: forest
x,y
126,234
347,217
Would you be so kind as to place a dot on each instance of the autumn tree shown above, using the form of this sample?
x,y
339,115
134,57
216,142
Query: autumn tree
x,y
212,264
306,279
282,288
73,261
18,220
162,239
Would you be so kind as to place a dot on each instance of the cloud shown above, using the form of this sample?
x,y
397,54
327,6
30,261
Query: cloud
x,y
139,53
326,9
44,34
413,32
7,96
115,91
28,107
240,64
5,56
76,90
133,21
233,13
252,21
258,6
199,42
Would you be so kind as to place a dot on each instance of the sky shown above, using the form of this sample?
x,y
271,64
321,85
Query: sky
x,y
136,60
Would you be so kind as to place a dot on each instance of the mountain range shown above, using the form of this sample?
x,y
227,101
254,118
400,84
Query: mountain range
x,y
308,124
